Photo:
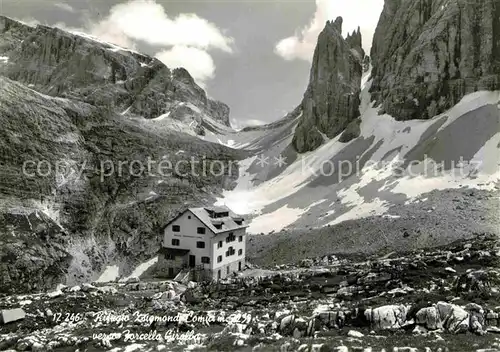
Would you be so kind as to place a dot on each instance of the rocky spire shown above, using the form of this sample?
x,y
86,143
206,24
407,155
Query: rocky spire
x,y
331,100
337,24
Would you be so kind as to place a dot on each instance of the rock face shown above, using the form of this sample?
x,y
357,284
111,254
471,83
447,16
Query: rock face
x,y
98,73
33,250
428,54
387,317
331,100
66,207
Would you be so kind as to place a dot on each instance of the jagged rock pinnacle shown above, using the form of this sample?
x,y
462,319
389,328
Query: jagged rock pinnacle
x,y
428,54
331,100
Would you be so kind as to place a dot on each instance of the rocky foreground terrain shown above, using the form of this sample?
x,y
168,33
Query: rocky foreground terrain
x,y
444,299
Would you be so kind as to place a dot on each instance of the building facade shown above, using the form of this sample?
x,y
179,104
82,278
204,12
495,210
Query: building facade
x,y
210,243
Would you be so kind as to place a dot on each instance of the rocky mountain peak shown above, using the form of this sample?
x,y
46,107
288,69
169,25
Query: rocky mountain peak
x,y
331,101
183,75
428,54
337,24
355,41
82,67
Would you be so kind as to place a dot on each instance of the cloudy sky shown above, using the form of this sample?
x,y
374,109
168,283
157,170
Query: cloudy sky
x,y
254,55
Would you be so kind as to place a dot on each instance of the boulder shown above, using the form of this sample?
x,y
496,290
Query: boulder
x,y
387,317
333,319
429,317
455,319
11,315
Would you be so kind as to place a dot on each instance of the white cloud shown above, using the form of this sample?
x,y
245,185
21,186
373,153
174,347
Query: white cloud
x,y
197,61
28,21
64,6
362,13
145,20
107,31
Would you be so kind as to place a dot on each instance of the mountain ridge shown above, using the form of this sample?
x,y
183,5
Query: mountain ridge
x,y
82,67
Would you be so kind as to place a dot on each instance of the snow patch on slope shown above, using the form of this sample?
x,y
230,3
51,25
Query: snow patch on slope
x,y
248,199
275,221
392,140
141,269
110,46
279,219
111,273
